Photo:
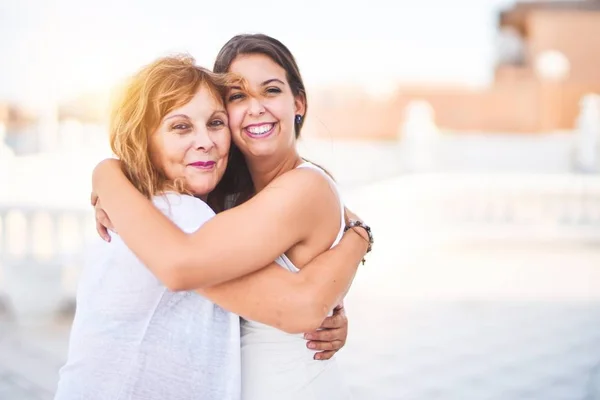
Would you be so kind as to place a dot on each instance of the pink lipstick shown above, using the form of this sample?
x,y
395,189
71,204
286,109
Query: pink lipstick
x,y
203,164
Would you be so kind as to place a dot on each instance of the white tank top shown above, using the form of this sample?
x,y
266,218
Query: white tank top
x,y
134,339
277,365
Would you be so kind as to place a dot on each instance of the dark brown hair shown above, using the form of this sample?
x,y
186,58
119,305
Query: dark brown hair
x,y
237,180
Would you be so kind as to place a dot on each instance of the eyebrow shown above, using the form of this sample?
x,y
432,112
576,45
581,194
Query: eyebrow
x,y
186,117
176,116
271,81
262,84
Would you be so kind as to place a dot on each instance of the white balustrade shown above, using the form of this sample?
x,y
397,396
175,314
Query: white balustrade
x,y
587,135
41,249
419,137
488,206
40,256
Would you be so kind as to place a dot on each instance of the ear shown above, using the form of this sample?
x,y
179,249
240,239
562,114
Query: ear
x,y
300,104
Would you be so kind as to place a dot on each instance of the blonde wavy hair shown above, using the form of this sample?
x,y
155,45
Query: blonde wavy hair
x,y
141,104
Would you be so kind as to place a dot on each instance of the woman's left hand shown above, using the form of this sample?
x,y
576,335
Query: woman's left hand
x,y
331,336
103,223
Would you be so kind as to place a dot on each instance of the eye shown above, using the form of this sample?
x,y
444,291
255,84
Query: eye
x,y
273,90
236,96
180,127
216,123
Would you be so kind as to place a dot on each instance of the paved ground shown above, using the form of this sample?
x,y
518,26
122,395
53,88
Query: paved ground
x,y
30,356
500,322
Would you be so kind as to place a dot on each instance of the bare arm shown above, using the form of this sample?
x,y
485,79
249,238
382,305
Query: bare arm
x,y
257,232
293,302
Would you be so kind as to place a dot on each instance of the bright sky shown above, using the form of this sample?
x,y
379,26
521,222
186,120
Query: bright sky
x,y
58,48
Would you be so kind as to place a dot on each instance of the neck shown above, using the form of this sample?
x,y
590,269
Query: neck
x,y
265,169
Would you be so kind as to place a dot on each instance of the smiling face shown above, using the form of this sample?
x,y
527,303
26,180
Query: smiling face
x,y
261,117
191,144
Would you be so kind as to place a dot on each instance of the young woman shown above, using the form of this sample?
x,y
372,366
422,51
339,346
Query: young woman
x,y
132,338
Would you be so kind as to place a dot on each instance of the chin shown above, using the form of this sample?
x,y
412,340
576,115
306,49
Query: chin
x,y
264,150
201,189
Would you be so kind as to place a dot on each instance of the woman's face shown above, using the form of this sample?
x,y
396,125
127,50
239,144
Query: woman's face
x,y
262,119
192,143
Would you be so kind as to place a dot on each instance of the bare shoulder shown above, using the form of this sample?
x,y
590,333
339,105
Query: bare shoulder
x,y
302,191
306,181
288,208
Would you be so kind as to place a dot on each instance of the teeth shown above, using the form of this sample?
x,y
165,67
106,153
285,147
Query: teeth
x,y
260,129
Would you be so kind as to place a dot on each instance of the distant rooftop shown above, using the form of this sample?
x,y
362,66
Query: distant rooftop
x,y
515,16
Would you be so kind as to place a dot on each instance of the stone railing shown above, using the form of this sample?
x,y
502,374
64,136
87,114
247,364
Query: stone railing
x,y
41,248
484,206
41,253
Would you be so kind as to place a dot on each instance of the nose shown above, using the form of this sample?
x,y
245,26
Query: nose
x,y
203,140
256,107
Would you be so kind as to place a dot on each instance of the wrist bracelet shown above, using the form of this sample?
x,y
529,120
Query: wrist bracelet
x,y
359,224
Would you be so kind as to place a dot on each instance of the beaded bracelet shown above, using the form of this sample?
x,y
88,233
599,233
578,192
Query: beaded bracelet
x,y
359,224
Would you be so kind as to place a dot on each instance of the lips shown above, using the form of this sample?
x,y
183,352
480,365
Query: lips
x,y
259,130
203,164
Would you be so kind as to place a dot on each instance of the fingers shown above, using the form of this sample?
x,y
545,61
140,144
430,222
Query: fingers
x,y
325,346
102,218
331,336
350,215
102,231
103,224
324,355
326,335
337,320
346,216
93,199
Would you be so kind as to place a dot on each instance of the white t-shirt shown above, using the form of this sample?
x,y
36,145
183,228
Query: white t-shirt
x,y
134,339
